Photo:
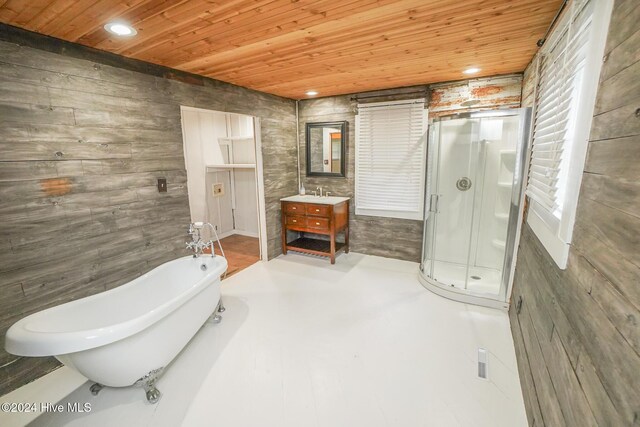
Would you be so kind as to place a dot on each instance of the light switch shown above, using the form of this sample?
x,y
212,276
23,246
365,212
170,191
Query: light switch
x,y
162,185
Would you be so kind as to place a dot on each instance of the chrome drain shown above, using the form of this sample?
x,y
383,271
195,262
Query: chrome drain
x,y
463,184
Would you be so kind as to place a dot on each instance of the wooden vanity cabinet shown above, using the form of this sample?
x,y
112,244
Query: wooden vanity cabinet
x,y
311,219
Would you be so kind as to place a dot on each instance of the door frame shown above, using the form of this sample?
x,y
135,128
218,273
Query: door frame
x,y
262,211
259,172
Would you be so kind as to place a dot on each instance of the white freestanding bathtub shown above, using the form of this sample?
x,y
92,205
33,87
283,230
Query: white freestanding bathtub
x,y
128,334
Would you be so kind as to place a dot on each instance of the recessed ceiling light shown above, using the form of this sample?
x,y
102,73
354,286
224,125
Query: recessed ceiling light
x,y
120,29
471,70
312,92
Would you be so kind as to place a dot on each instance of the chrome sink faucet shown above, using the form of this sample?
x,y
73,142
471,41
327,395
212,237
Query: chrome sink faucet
x,y
319,189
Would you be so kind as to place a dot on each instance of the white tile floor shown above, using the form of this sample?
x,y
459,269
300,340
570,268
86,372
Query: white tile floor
x,y
304,343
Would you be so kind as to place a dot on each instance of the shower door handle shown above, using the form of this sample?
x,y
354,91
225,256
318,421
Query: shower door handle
x,y
433,203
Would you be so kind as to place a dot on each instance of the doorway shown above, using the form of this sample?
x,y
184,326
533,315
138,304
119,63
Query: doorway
x,y
224,178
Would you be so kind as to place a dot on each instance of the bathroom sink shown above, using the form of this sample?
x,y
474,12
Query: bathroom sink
x,y
324,200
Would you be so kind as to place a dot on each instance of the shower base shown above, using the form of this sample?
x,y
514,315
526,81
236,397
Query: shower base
x,y
480,279
482,287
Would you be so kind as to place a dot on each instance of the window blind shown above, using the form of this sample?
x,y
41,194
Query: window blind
x,y
390,159
560,74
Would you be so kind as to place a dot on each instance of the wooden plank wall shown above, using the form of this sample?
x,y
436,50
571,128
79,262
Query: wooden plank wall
x,y
81,147
577,336
393,237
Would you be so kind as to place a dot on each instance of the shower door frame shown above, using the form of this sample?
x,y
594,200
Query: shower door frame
x,y
516,212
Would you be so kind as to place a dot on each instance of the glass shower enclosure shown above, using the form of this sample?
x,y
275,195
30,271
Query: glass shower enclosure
x,y
475,172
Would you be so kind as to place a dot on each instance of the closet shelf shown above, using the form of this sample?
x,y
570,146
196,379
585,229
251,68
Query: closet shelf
x,y
236,138
231,166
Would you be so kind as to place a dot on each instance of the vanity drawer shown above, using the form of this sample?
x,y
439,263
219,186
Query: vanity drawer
x,y
318,223
296,221
318,210
294,208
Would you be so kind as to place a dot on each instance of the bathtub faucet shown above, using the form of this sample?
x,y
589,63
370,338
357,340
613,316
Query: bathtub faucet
x,y
197,245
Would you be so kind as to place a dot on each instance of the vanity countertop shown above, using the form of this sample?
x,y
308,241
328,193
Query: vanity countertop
x,y
325,200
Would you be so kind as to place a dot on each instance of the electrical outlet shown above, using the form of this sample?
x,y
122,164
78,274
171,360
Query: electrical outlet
x,y
217,189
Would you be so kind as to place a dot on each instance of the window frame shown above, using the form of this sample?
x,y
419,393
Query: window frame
x,y
390,213
556,233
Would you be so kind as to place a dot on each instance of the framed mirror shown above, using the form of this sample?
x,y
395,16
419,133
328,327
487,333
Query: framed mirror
x,y
326,148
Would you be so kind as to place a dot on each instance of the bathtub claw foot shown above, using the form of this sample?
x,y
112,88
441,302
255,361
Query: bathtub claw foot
x,y
216,318
148,383
221,308
153,395
95,388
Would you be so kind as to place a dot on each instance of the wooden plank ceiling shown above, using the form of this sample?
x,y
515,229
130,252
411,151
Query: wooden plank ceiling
x,y
287,47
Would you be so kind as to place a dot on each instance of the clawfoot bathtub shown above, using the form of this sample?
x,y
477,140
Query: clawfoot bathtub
x,y
126,335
